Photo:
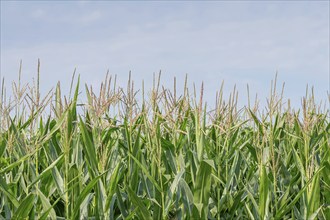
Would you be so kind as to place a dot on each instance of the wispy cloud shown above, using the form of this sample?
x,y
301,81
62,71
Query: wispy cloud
x,y
38,13
91,17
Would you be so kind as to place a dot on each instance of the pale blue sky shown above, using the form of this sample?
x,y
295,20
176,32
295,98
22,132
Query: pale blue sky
x,y
239,42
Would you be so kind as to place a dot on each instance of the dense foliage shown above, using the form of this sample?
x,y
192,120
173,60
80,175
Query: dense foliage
x,y
161,156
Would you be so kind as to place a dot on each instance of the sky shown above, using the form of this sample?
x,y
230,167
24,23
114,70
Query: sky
x,y
241,43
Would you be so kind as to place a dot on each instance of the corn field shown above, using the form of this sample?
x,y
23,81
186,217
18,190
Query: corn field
x,y
156,154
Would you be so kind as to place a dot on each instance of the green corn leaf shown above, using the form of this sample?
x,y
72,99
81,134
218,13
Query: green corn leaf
x,y
25,207
146,172
46,171
263,194
142,211
84,193
6,191
203,187
46,205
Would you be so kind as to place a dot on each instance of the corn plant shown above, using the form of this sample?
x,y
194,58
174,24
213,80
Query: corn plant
x,y
119,154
